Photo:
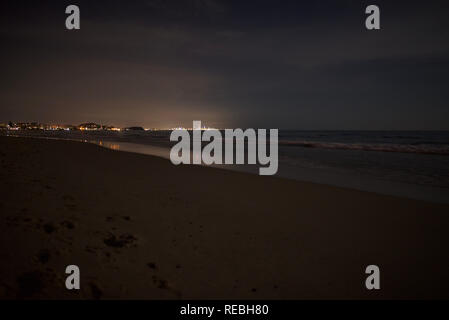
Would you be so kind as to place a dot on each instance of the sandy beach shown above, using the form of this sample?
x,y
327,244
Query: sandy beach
x,y
140,228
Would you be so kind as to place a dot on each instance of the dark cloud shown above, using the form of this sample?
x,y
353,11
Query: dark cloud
x,y
283,64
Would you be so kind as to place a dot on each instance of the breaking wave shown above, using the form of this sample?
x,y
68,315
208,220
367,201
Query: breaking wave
x,y
401,148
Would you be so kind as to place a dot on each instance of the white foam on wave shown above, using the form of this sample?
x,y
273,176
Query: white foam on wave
x,y
403,148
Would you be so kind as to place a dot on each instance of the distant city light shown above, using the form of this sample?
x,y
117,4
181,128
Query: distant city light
x,y
91,126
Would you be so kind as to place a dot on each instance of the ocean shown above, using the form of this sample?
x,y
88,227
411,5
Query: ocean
x,y
412,164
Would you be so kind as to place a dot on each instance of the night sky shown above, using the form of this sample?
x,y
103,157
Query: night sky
x,y
266,64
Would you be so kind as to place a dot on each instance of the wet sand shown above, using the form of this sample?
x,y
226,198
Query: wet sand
x,y
139,227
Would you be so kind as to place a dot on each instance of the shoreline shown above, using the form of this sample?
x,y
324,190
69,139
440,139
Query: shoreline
x,y
140,227
418,192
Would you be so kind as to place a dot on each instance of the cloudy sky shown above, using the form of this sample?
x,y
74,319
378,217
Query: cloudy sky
x,y
267,64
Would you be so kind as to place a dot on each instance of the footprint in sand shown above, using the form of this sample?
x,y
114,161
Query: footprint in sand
x,y
68,224
124,240
163,284
152,265
91,249
160,283
97,293
49,228
43,256
27,219
69,202
112,218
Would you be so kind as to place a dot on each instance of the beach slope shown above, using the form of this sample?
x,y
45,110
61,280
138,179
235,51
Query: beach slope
x,y
139,227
